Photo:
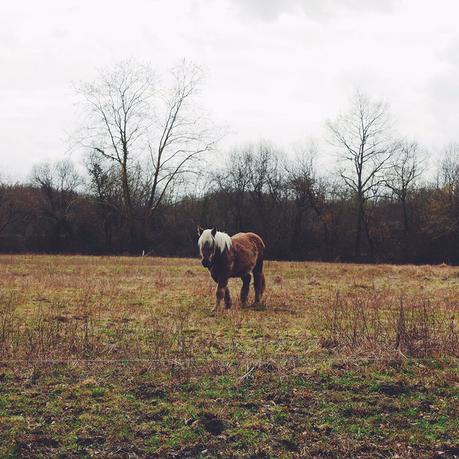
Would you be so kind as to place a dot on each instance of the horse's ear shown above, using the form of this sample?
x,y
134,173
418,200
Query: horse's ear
x,y
200,230
214,232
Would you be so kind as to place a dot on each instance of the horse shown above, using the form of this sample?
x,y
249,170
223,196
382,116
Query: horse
x,y
237,256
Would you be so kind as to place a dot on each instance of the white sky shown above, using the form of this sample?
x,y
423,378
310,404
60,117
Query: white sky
x,y
276,69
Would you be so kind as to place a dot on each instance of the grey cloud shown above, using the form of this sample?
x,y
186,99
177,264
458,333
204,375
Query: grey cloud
x,y
442,91
318,9
450,54
60,33
443,86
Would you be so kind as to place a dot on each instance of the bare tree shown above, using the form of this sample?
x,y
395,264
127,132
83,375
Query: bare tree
x,y
58,182
448,212
118,105
449,169
250,175
308,191
7,211
182,135
263,173
234,182
401,178
105,191
58,176
363,136
152,133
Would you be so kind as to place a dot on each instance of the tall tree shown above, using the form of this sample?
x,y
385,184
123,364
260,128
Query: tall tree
x,y
233,180
58,183
249,176
363,137
105,192
308,191
8,213
449,192
118,105
181,134
401,179
449,169
152,131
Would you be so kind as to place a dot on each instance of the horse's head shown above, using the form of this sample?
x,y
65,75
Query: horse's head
x,y
207,245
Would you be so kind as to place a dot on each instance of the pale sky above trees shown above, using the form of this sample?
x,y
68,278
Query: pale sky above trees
x,y
274,69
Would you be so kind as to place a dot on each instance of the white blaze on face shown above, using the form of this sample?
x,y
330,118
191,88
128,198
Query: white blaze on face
x,y
206,238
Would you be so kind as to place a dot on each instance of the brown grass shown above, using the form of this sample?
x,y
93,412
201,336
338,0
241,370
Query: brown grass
x,y
145,324
381,323
120,308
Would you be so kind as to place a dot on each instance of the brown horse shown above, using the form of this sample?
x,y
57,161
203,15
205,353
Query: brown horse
x,y
236,256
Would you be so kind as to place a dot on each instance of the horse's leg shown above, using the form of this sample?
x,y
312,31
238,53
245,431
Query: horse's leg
x,y
220,293
245,289
259,285
258,280
228,302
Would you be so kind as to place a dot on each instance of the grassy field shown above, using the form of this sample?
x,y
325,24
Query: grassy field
x,y
121,357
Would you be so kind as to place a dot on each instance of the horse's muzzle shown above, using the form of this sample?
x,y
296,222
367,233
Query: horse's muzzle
x,y
205,263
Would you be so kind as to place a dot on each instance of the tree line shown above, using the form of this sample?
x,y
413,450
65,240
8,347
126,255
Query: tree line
x,y
153,172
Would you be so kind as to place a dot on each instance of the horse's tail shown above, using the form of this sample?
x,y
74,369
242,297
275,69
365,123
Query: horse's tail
x,y
259,264
259,277
260,256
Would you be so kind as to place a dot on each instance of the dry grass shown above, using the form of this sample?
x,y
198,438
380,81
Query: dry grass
x,y
116,337
379,322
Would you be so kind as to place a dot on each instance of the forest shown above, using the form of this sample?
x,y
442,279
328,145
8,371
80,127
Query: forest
x,y
154,169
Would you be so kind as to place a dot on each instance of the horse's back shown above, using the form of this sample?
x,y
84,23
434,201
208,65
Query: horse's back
x,y
249,239
246,253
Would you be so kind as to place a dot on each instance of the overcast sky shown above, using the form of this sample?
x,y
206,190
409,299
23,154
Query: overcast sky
x,y
276,69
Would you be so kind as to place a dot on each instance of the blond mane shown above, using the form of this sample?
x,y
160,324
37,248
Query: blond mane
x,y
221,240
